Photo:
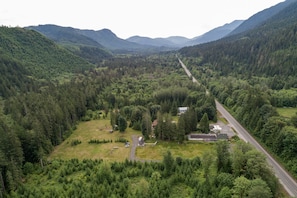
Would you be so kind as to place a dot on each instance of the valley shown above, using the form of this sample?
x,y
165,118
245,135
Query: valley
x,y
75,104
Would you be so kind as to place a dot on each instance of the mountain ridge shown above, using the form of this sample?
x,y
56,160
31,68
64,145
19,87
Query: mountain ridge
x,y
269,49
260,17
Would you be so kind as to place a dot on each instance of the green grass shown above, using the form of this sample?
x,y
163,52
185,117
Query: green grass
x,y
287,112
99,130
95,129
186,150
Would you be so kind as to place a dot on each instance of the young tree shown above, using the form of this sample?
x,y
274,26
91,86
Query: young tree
x,y
223,157
146,125
204,123
225,192
169,163
207,161
241,187
181,129
122,123
294,120
259,189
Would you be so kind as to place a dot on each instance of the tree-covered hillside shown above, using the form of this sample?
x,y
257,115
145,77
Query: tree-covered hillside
x,y
39,56
14,77
74,41
261,17
264,51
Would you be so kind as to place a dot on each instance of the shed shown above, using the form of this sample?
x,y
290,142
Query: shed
x,y
140,141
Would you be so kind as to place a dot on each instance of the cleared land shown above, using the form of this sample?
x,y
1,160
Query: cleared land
x,y
287,112
94,130
112,151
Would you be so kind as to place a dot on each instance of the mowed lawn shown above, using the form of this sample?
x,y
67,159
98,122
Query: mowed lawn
x,y
95,130
112,151
287,112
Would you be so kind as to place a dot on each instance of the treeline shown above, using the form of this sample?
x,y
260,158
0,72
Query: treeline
x,y
251,105
239,172
34,122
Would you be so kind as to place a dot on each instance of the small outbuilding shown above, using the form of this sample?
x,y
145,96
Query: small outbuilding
x,y
141,141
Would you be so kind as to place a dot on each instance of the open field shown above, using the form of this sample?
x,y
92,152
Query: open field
x,y
287,112
91,130
112,151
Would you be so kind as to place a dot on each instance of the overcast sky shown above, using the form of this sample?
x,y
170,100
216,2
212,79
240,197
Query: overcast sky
x,y
152,18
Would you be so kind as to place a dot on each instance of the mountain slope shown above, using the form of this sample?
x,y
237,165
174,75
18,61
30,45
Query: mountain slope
x,y
103,40
215,34
269,49
172,42
178,42
41,57
108,39
159,42
65,35
260,17
71,38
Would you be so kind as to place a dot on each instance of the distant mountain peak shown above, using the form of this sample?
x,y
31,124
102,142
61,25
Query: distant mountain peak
x,y
216,33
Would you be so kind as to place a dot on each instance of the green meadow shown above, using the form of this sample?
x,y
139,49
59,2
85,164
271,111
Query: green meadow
x,y
287,112
116,151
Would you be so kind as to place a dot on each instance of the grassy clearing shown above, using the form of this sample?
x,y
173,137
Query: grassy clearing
x,y
99,130
287,112
187,150
95,129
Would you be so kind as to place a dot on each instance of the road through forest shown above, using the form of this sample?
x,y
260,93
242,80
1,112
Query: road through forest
x,y
285,179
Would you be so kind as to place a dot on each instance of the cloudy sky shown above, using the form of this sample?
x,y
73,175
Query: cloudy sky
x,y
152,18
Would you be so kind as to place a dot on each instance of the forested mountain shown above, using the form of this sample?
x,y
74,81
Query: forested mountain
x,y
153,42
14,77
266,50
110,40
103,40
65,35
259,18
178,42
215,34
71,39
38,56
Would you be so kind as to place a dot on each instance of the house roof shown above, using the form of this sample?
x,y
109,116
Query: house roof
x,y
206,137
183,108
222,136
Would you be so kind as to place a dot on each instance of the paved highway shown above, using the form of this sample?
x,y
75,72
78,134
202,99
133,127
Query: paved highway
x,y
285,179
